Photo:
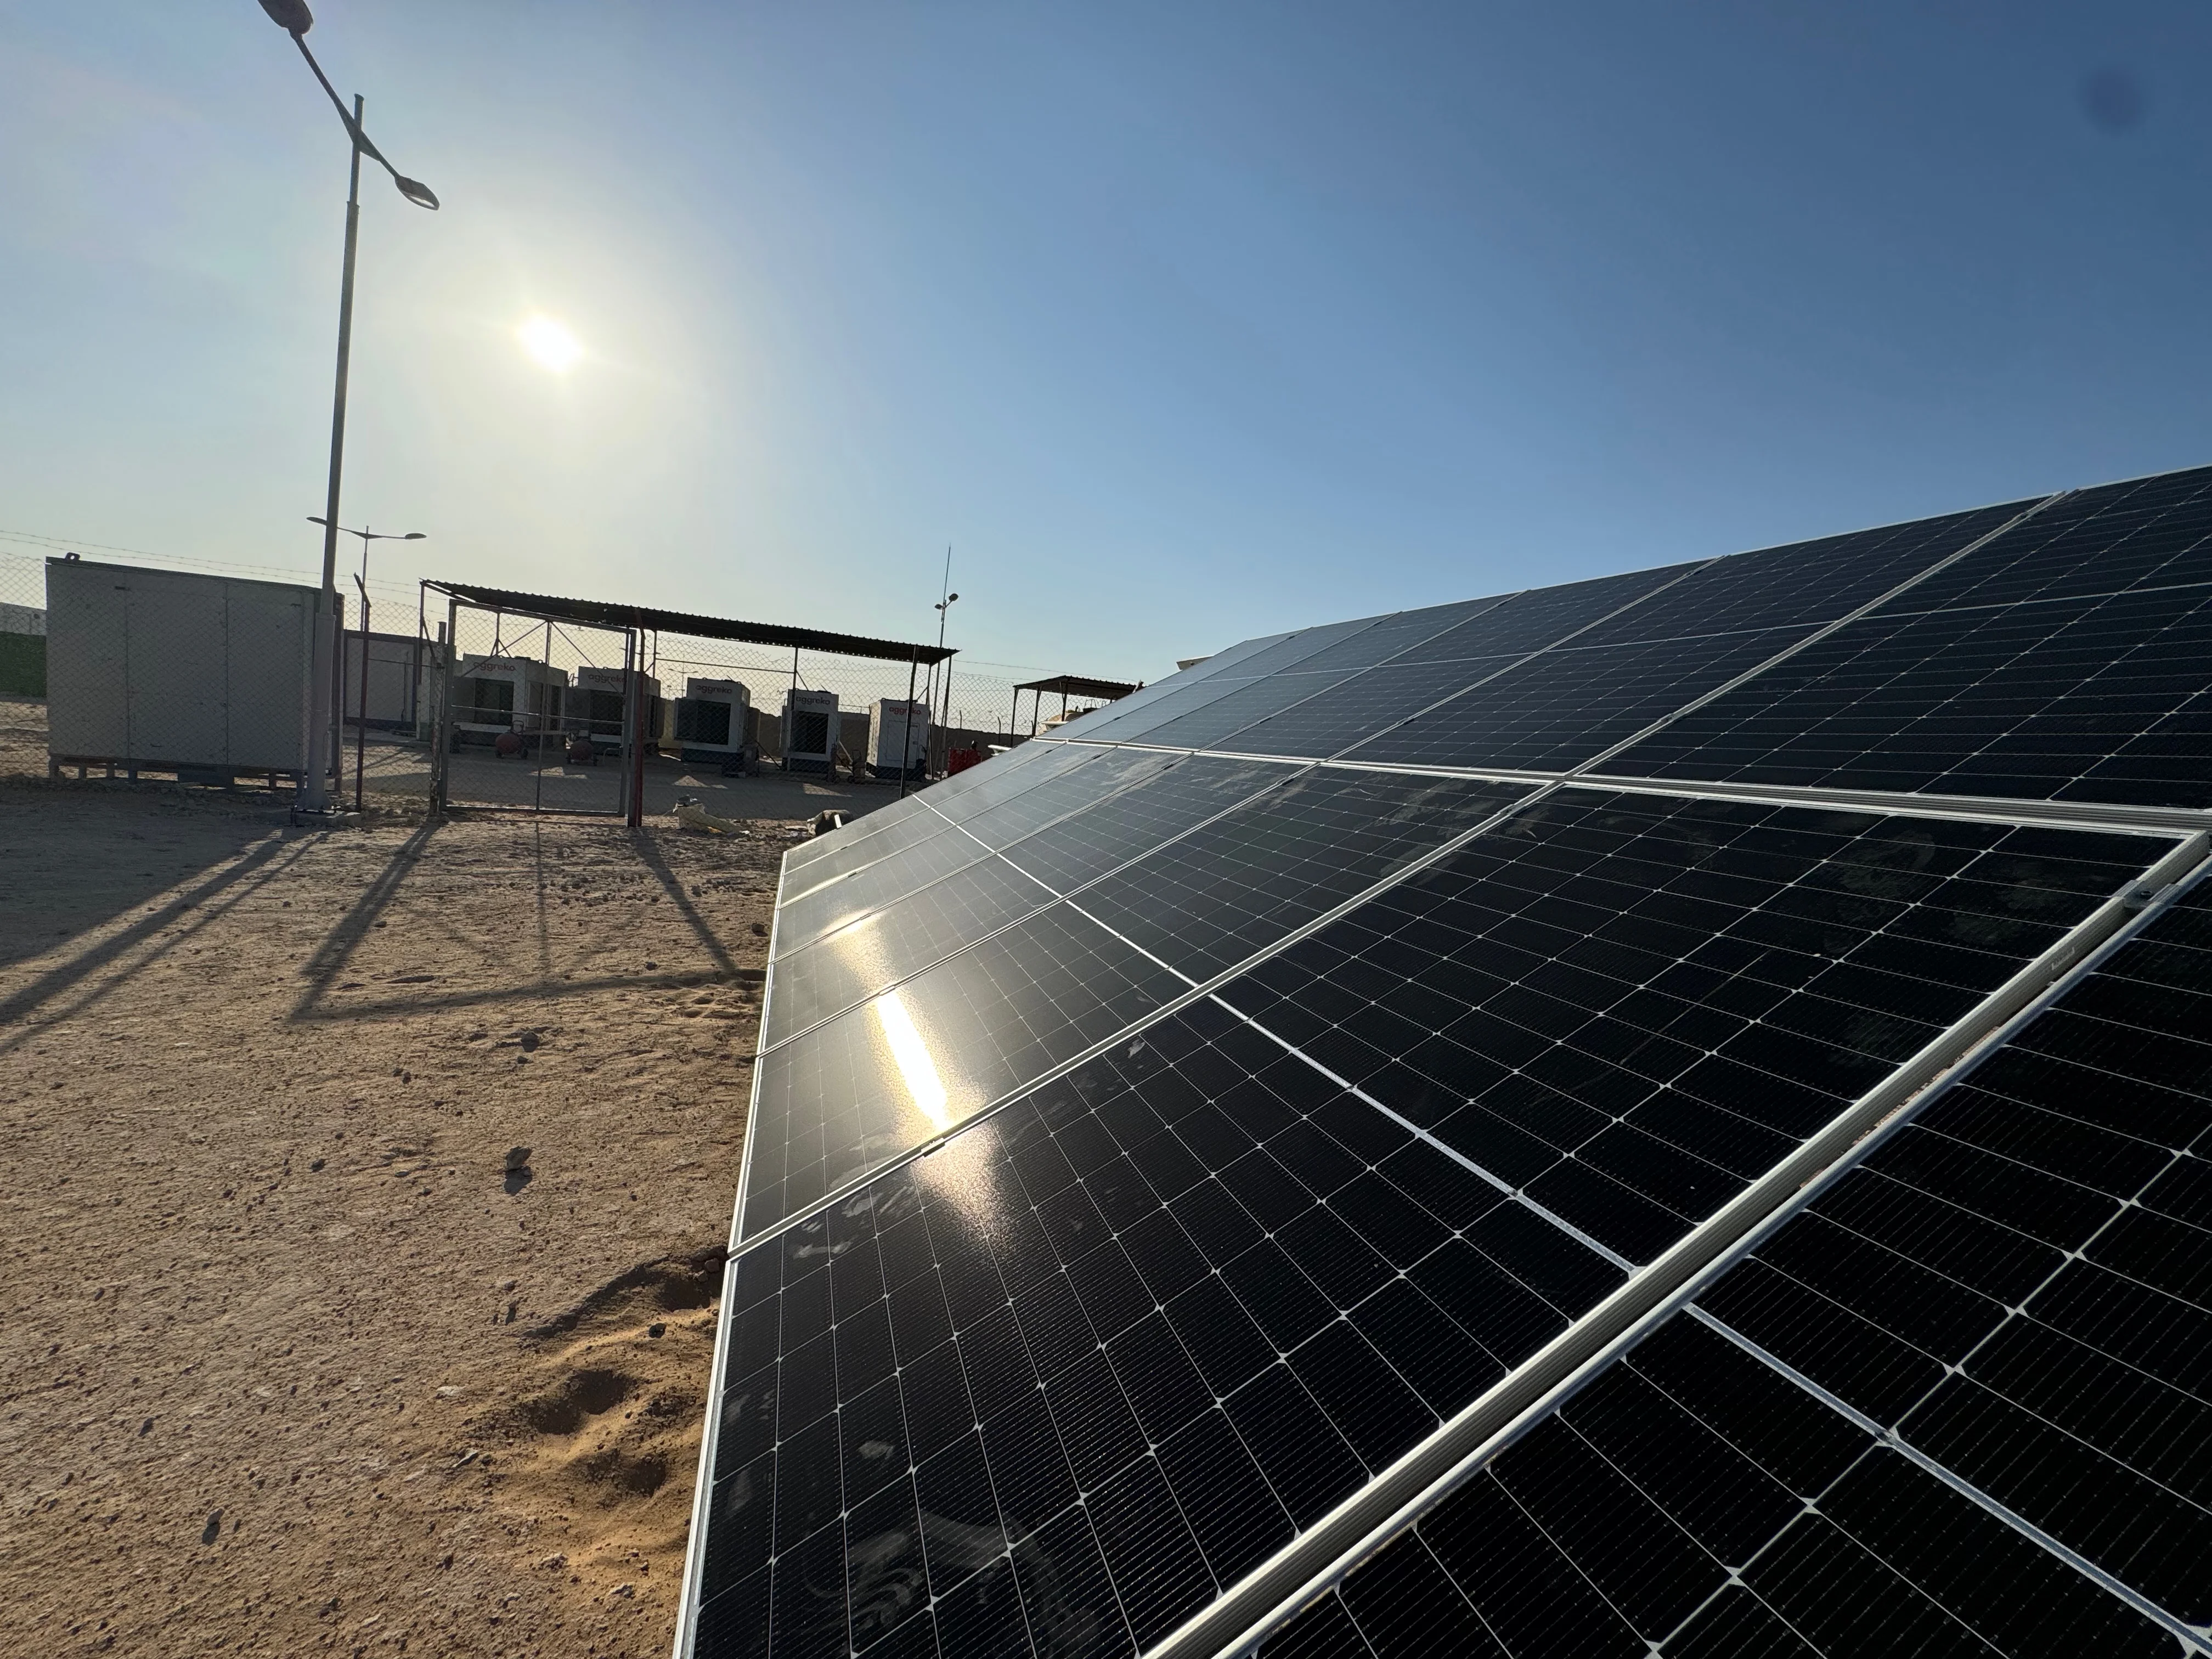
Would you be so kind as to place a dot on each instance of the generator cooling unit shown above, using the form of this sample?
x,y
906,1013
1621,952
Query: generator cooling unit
x,y
493,695
710,721
898,739
809,731
597,709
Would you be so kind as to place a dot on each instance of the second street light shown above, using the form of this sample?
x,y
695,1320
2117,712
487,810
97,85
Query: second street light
x,y
943,611
361,711
295,20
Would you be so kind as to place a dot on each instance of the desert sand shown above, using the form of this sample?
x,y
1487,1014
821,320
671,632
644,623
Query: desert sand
x,y
289,1361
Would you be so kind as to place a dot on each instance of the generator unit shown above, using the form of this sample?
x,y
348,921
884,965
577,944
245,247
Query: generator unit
x,y
809,731
898,739
493,695
710,721
597,709
206,677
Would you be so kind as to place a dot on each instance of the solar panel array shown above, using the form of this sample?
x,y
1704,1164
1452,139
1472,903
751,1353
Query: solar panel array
x,y
1666,1113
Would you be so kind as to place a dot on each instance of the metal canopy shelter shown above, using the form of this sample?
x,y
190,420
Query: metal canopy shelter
x,y
633,621
598,613
1067,685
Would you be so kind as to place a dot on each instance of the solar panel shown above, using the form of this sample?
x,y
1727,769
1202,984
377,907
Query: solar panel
x,y
1221,662
1553,712
1300,1159
1319,674
1087,845
1117,724
1959,1395
1209,900
2065,660
1650,649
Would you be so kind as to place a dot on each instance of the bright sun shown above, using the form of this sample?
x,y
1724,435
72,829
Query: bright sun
x,y
552,345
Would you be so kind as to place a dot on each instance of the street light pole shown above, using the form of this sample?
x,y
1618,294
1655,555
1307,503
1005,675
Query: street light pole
x,y
320,727
295,18
332,530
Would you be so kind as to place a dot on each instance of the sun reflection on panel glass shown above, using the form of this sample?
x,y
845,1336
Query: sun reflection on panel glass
x,y
912,1056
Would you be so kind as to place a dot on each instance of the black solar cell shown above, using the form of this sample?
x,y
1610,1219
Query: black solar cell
x,y
1541,617
1211,725
898,825
1559,709
1604,684
2069,658
1629,1008
1369,702
1803,584
1999,1288
1131,723
2144,532
1398,635
1005,822
1321,674
1080,849
1209,901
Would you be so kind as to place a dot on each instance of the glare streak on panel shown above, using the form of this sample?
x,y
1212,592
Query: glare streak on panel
x,y
831,1103
839,900
886,945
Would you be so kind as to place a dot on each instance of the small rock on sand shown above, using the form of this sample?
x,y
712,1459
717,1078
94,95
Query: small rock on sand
x,y
518,1158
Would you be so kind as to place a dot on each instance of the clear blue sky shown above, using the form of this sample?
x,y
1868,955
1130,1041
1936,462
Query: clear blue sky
x,y
1181,322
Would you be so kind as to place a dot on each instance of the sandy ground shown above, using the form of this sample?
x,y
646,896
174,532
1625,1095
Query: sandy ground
x,y
288,1362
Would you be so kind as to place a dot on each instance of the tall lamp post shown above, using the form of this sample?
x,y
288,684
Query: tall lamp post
x,y
295,20
361,722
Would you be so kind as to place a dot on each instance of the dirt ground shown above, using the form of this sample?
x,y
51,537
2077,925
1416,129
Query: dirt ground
x,y
289,1363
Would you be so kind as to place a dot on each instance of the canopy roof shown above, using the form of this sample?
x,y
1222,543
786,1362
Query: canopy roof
x,y
598,613
1074,685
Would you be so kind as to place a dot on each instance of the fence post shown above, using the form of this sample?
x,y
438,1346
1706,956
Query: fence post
x,y
634,728
441,764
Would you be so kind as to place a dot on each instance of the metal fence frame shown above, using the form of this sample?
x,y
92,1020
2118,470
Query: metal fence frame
x,y
447,656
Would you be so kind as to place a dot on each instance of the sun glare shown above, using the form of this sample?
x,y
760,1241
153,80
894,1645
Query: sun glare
x,y
552,345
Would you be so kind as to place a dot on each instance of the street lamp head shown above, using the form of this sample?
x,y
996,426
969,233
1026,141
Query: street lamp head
x,y
414,190
412,536
291,15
